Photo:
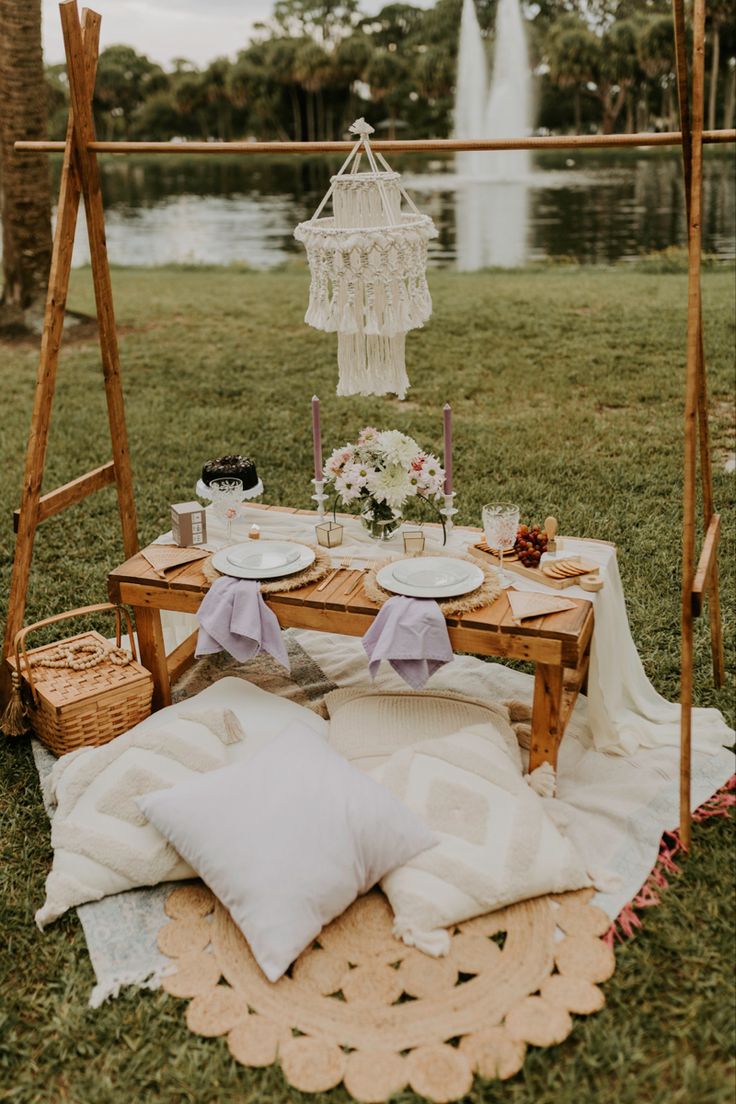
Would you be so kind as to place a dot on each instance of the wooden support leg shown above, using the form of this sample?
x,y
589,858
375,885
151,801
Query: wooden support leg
x,y
706,477
153,653
692,392
80,90
61,263
182,658
547,728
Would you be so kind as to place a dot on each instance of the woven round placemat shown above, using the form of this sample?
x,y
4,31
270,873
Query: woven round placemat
x,y
317,570
362,1008
483,595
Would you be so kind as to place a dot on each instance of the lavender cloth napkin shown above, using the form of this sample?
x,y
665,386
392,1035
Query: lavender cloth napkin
x,y
233,617
412,635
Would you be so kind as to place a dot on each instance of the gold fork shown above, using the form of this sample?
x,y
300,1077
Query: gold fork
x,y
328,578
359,578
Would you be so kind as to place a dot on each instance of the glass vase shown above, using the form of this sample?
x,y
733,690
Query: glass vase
x,y
379,520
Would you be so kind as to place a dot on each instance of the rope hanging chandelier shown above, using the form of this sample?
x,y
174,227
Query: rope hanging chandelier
x,y
368,265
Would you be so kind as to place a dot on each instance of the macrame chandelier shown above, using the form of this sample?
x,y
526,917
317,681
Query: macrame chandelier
x,y
368,265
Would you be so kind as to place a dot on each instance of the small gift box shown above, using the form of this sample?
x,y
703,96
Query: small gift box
x,y
413,540
329,534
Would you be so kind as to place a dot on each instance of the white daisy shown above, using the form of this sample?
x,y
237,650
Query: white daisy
x,y
358,474
431,476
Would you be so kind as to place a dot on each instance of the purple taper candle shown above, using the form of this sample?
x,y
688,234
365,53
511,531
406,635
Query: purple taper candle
x,y
447,411
317,438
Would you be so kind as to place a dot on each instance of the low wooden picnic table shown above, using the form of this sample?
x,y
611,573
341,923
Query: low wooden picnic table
x,y
557,644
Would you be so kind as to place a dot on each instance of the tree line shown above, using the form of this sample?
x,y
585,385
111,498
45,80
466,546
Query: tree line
x,y
600,65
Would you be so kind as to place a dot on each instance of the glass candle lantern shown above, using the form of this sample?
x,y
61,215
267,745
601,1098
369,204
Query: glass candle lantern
x,y
413,540
329,534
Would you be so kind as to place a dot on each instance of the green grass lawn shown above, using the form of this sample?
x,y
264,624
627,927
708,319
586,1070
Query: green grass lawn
x,y
567,388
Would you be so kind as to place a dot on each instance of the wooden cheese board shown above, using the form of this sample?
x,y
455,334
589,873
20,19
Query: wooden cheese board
x,y
512,564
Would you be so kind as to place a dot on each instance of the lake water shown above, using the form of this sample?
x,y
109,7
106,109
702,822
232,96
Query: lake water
x,y
590,206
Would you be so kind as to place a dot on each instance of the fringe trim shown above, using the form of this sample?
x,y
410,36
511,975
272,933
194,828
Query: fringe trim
x,y
151,980
628,922
371,365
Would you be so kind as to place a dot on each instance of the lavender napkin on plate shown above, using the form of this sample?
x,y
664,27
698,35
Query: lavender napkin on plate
x,y
412,635
233,617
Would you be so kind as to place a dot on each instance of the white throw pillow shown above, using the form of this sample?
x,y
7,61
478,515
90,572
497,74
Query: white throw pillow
x,y
287,840
497,844
102,842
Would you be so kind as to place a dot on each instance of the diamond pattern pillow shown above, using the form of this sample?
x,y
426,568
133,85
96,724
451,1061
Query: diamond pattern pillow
x,y
497,844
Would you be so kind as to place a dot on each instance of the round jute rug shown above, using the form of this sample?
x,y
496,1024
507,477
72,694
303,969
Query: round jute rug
x,y
361,1008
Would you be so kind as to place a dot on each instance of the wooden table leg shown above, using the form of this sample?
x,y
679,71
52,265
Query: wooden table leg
x,y
547,723
153,653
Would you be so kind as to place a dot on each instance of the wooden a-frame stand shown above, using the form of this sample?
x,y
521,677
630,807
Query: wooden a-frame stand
x,y
80,179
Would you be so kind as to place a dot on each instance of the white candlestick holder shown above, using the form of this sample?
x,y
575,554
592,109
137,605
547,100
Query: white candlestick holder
x,y
448,511
320,497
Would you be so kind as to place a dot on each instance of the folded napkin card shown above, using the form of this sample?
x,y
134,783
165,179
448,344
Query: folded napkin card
x,y
528,604
165,557
412,635
233,617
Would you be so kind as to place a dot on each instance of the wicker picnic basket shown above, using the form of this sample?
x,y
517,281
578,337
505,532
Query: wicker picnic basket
x,y
75,708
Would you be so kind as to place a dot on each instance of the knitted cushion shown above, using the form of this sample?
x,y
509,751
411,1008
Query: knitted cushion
x,y
368,726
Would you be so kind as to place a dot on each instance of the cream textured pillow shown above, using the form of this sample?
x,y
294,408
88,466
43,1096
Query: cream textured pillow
x,y
287,840
497,844
368,726
102,842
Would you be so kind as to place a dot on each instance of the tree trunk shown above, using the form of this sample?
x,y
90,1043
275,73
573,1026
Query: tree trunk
x,y
671,120
729,103
296,114
310,117
578,110
611,107
713,92
24,179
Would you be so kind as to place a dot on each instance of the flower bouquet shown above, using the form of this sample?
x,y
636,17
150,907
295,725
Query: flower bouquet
x,y
380,473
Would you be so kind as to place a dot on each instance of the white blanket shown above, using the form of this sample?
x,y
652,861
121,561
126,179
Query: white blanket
x,y
625,712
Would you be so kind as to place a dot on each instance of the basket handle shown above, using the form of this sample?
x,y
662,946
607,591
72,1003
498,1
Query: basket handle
x,y
20,636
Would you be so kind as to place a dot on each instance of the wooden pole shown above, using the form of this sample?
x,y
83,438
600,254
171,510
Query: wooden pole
x,y
80,89
417,145
691,412
706,473
61,263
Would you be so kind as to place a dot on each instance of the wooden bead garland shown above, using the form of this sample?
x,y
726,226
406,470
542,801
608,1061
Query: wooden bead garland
x,y
81,655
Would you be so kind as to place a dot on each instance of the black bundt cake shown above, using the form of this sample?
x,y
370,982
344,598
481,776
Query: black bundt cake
x,y
231,467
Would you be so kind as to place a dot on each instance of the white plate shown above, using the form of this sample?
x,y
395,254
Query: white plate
x,y
270,554
471,581
432,572
221,562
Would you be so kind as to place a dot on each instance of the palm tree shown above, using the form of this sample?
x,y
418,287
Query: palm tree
x,y
617,70
719,11
25,183
313,70
655,49
571,53
386,74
